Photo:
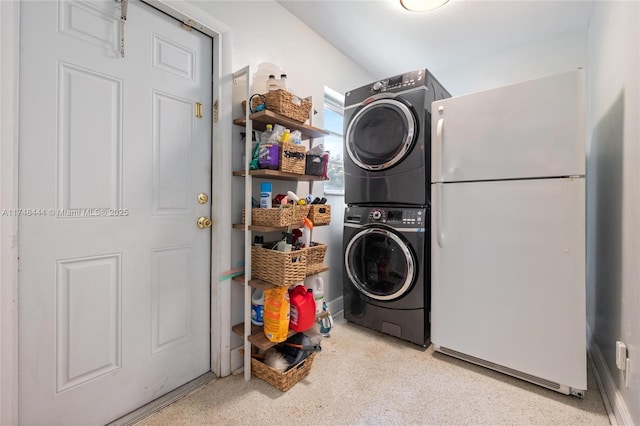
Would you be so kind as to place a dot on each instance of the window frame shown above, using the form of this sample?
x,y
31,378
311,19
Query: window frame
x,y
334,101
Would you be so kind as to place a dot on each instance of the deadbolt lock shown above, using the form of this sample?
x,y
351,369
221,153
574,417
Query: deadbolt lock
x,y
203,198
204,222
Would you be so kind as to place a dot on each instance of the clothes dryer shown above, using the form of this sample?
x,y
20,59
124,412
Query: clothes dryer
x,y
386,270
387,140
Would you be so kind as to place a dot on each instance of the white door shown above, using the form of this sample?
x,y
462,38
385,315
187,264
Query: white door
x,y
524,130
508,275
114,273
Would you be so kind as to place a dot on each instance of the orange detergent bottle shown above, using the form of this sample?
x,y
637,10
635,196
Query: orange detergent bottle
x,y
303,308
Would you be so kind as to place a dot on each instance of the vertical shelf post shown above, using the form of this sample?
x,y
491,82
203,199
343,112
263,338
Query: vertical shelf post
x,y
246,74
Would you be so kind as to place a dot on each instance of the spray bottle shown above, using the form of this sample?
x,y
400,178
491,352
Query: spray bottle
x,y
306,232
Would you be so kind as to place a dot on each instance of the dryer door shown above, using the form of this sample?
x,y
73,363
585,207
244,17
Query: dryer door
x,y
380,263
380,134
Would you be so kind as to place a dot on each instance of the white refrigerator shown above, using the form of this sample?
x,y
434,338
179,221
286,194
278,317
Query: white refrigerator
x,y
508,230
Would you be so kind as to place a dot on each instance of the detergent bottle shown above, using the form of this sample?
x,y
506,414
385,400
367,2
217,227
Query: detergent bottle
x,y
257,307
276,314
316,284
303,308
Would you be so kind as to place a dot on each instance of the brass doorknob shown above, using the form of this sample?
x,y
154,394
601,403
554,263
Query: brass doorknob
x,y
204,222
203,198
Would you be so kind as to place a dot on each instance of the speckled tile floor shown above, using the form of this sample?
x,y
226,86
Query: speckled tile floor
x,y
362,377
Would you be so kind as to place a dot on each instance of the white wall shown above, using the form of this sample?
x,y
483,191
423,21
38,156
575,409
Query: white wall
x,y
265,32
524,62
613,180
9,16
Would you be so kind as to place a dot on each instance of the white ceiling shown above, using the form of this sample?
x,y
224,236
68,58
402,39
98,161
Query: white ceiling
x,y
387,40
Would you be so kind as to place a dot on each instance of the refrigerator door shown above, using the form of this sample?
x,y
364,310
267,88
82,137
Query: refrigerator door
x,y
525,130
508,275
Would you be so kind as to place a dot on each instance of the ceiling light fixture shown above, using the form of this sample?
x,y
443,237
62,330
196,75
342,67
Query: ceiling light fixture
x,y
422,5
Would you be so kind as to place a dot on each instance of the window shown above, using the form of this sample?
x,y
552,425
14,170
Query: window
x,y
333,119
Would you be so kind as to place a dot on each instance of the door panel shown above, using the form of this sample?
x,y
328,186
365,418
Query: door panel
x,y
172,128
525,130
88,336
508,275
89,123
114,275
169,297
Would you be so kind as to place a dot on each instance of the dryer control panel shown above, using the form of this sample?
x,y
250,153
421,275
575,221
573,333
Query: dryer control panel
x,y
397,217
400,82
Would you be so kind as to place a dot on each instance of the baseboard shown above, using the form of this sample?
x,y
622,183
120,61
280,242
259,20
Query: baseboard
x,y
613,400
336,307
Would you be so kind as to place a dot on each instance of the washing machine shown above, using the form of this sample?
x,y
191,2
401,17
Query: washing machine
x,y
387,140
386,276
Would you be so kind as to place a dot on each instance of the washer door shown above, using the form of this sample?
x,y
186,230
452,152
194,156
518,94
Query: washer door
x,y
380,134
380,264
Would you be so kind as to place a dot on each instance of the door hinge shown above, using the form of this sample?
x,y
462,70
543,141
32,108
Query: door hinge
x,y
188,26
215,111
123,18
198,110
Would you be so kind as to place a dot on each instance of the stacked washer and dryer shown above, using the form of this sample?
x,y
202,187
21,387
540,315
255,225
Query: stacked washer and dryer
x,y
387,166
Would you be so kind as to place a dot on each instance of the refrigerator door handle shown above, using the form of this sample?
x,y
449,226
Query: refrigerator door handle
x,y
437,154
437,200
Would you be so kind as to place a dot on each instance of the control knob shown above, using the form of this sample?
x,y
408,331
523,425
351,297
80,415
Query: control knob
x,y
376,215
377,85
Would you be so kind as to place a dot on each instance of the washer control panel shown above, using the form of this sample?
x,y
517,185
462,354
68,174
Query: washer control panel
x,y
399,82
397,217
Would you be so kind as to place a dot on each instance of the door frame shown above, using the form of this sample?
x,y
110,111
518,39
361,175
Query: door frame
x,y
9,147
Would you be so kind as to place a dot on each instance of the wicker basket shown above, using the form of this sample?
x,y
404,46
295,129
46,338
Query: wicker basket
x,y
279,217
320,214
278,267
282,380
287,104
301,212
292,158
315,257
276,217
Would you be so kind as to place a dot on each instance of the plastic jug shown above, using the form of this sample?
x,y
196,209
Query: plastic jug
x,y
276,314
303,308
316,284
257,307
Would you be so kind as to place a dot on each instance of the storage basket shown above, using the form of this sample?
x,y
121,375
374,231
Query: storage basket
x,y
320,214
287,104
301,212
282,380
276,217
292,158
314,165
278,267
279,217
315,257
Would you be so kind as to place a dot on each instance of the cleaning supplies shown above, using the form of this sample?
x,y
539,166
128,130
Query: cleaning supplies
x,y
303,308
269,150
306,232
265,195
325,321
276,314
272,83
282,83
285,244
292,197
316,283
257,307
